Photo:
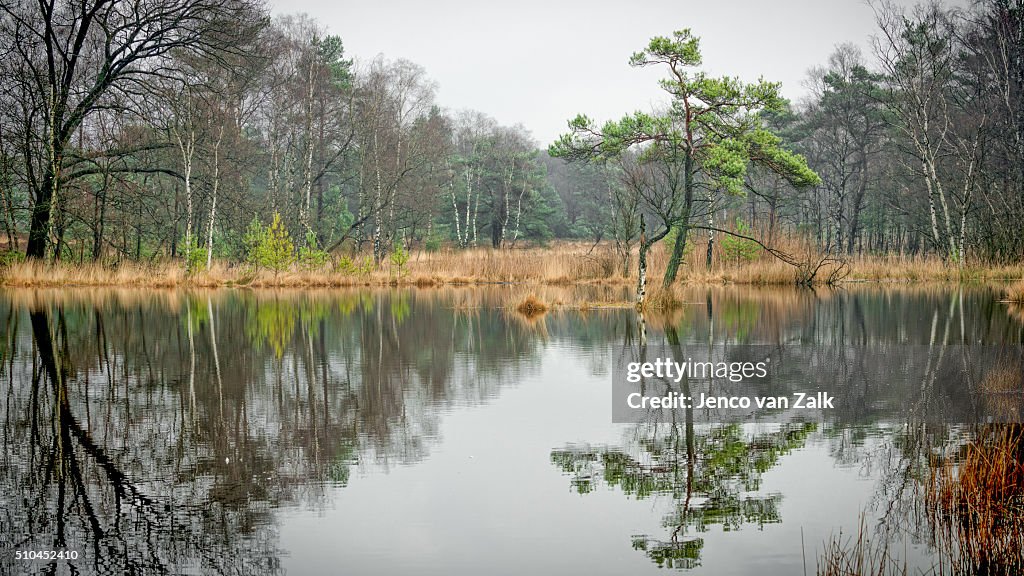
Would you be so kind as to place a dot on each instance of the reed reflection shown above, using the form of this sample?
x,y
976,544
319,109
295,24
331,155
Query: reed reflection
x,y
164,432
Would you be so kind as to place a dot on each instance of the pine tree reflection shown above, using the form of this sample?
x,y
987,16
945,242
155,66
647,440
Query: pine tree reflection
x,y
161,432
711,473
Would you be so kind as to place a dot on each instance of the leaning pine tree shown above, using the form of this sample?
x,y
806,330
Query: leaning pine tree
x,y
706,139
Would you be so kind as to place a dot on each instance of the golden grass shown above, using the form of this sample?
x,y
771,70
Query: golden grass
x,y
976,506
34,273
1003,390
561,264
662,298
974,509
1015,292
532,307
911,269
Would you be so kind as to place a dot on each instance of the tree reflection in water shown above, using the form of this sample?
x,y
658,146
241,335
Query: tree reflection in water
x,y
159,433
712,472
712,475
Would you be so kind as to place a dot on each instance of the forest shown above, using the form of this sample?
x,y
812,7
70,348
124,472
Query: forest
x,y
206,131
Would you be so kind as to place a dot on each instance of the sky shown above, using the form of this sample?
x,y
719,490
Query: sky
x,y
540,63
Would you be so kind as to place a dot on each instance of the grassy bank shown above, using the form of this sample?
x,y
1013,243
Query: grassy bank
x,y
561,264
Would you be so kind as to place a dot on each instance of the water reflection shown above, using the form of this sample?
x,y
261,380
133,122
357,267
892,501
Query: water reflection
x,y
164,432
712,477
860,341
160,431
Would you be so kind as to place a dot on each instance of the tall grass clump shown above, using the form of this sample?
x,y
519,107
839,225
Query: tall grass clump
x,y
662,298
532,307
1015,292
973,511
125,274
976,506
859,555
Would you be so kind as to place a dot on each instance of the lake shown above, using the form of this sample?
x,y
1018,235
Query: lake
x,y
438,431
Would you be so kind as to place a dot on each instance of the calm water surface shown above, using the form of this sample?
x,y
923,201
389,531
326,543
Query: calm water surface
x,y
433,432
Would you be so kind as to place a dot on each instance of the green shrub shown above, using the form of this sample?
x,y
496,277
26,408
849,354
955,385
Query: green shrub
x,y
345,266
351,267
269,246
310,256
740,249
400,259
195,256
9,257
252,238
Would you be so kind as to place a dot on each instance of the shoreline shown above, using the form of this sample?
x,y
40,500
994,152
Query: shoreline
x,y
50,275
564,264
69,277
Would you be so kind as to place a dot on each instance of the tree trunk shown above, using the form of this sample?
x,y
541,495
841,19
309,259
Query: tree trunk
x,y
932,215
455,204
213,201
307,174
41,221
682,227
519,212
377,207
497,232
58,225
101,216
187,148
641,280
857,204
711,232
39,225
508,200
476,213
6,190
320,183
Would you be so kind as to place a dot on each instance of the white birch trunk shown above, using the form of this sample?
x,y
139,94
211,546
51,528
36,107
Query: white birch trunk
x,y
213,200
455,204
307,180
519,211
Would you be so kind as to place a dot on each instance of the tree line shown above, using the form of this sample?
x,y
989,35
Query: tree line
x,y
917,148
138,130
167,128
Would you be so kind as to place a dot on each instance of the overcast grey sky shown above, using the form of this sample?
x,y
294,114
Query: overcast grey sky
x,y
540,63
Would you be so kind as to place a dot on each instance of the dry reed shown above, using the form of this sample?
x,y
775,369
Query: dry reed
x,y
532,307
561,264
973,508
1015,292
976,506
859,556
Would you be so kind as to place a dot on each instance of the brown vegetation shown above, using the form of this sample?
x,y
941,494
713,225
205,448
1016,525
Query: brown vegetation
x,y
532,307
973,507
562,264
1015,292
976,506
1003,390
